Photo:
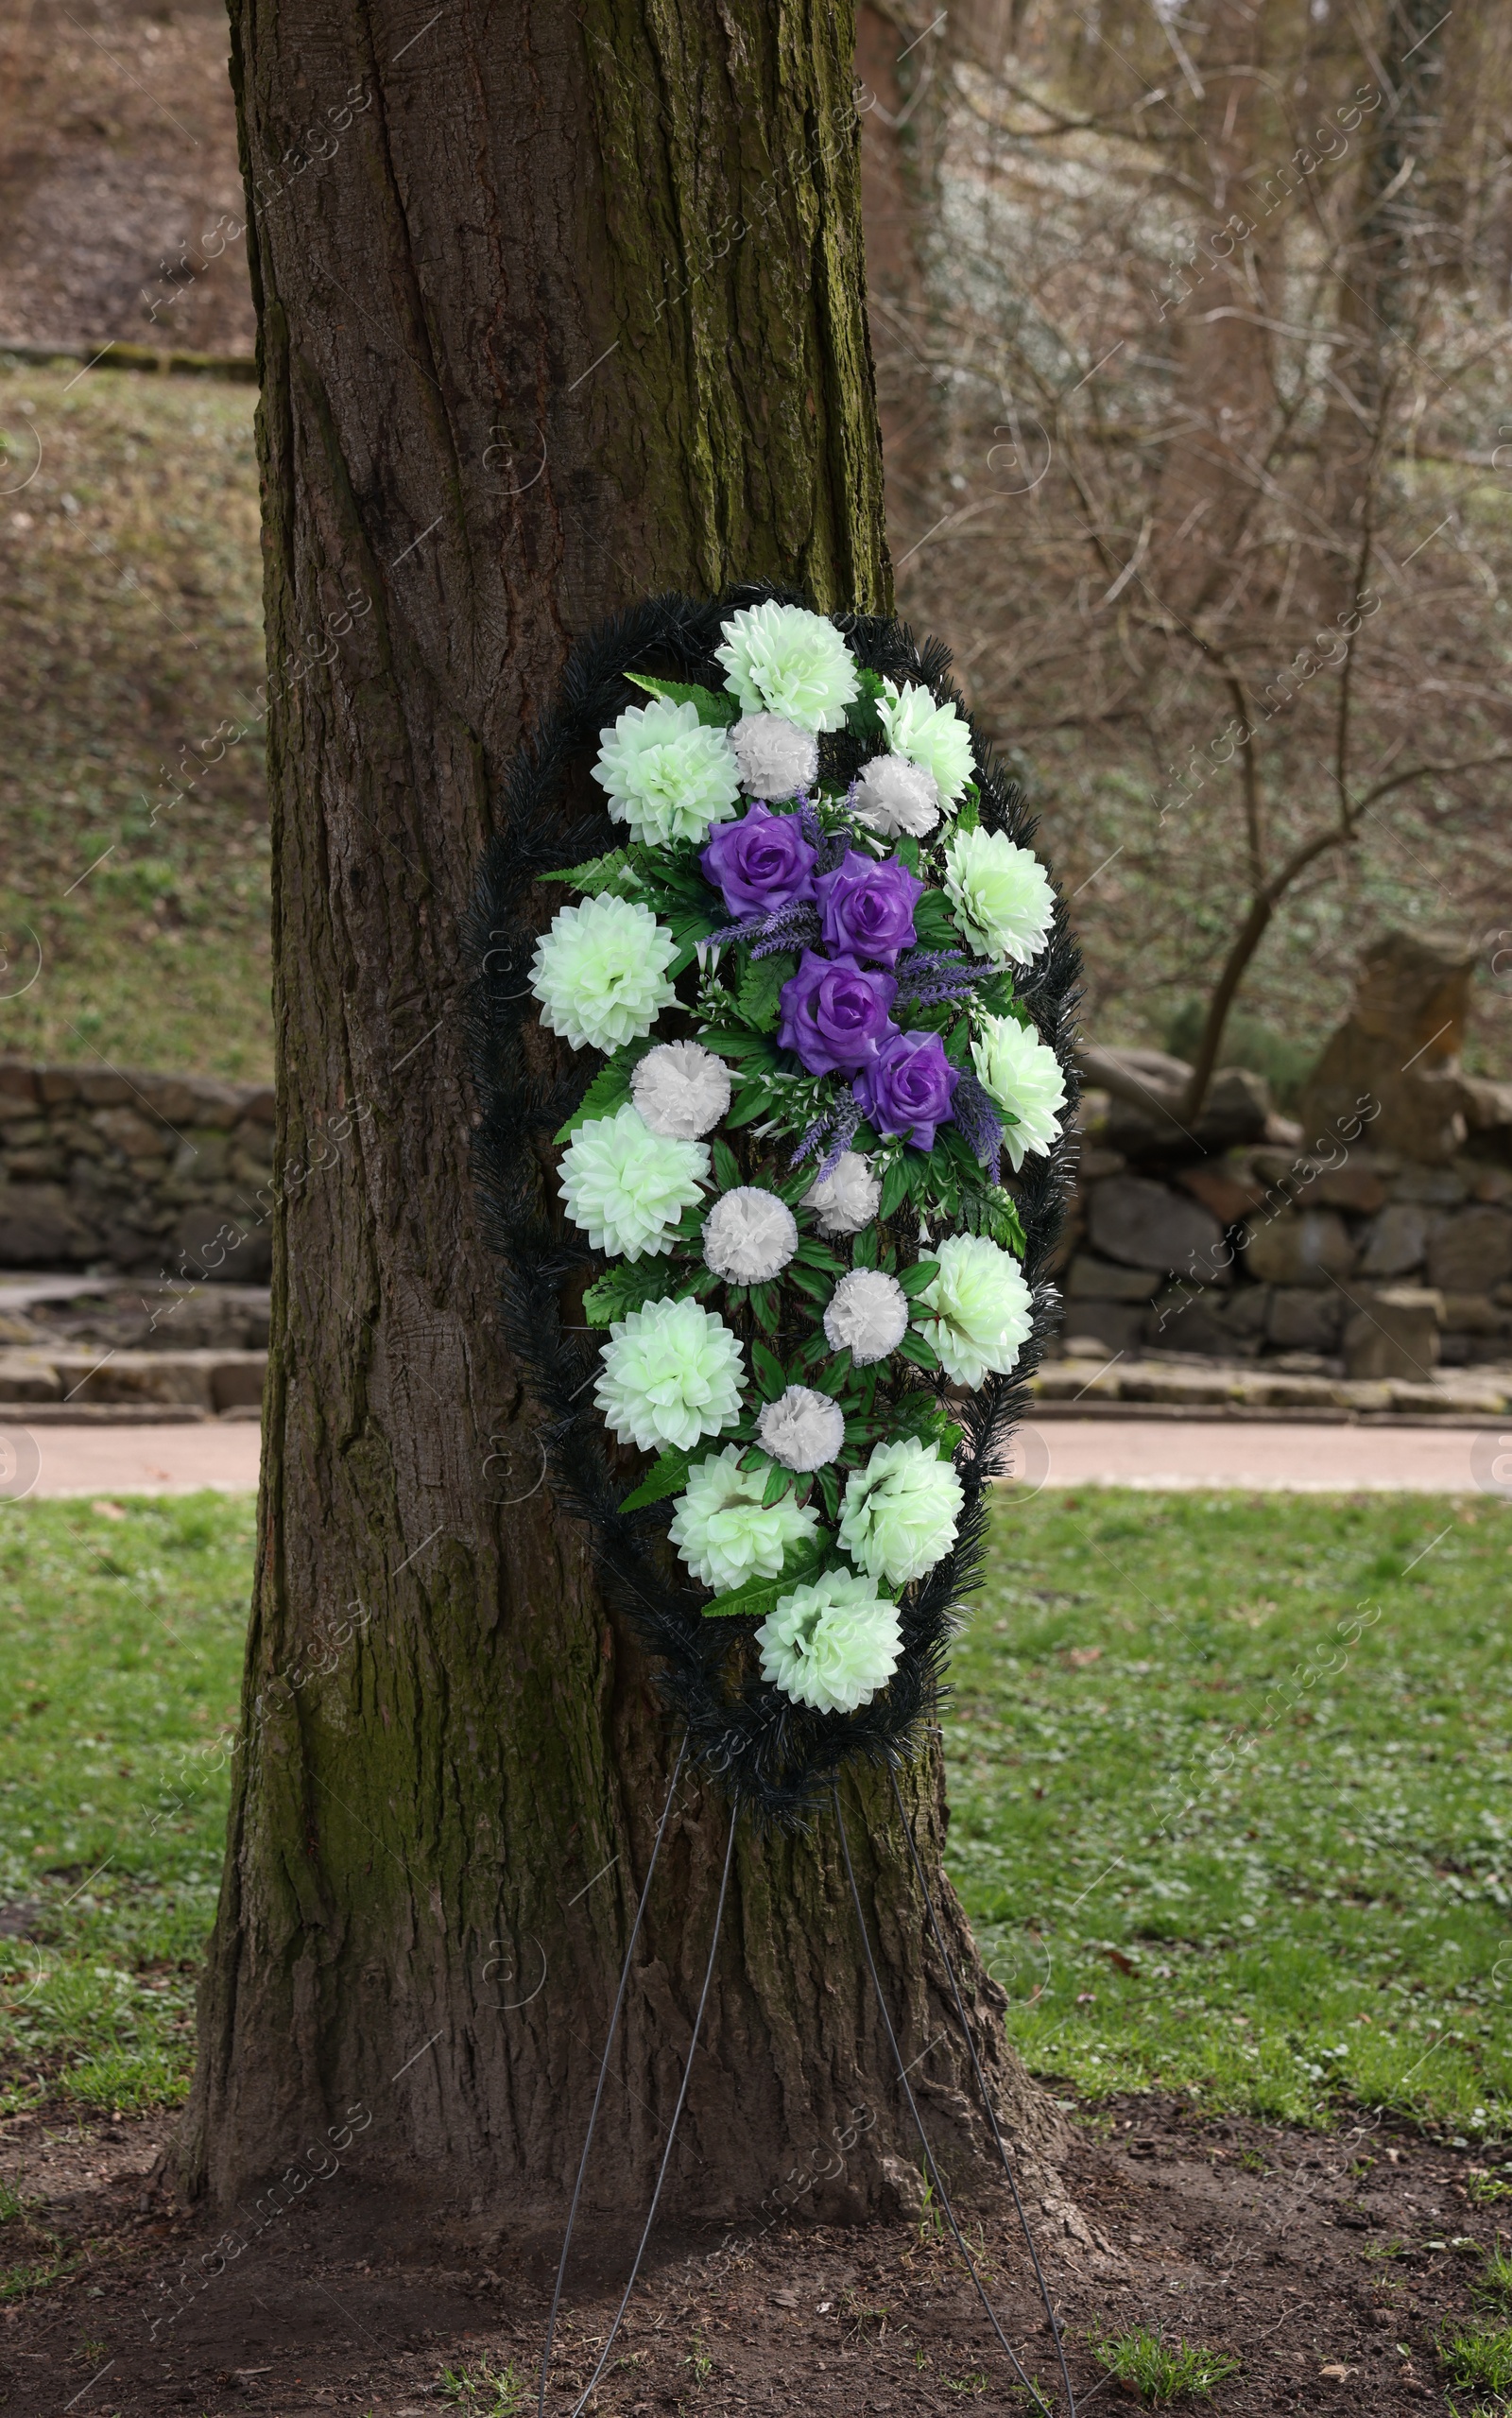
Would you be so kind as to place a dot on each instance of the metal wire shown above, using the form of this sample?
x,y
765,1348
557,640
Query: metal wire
x,y
984,2093
603,2069
666,2156
934,2175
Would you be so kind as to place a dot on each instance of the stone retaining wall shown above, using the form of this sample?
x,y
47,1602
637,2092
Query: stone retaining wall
x,y
153,1173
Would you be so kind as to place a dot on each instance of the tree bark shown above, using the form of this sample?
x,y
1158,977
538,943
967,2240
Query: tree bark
x,y
574,309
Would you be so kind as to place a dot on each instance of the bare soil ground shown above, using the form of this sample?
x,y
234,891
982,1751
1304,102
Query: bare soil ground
x,y
119,185
1328,2263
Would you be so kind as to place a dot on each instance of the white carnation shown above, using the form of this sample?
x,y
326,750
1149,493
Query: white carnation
x,y
681,1088
626,1187
867,1314
672,1373
846,1199
776,758
1023,1075
724,1532
802,1429
600,973
929,735
979,1310
831,1644
749,1236
894,796
667,774
1001,894
783,660
901,1511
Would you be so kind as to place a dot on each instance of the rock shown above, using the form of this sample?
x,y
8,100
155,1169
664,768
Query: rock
x,y
1304,1320
29,1376
1103,1279
1398,1241
134,1136
261,1107
1095,1162
1266,1390
1248,1310
1231,1196
1145,1382
221,1246
1432,1187
55,1083
1470,1251
1394,1333
1237,1108
202,1380
38,1230
1070,1380
1357,1189
1144,1225
1189,1318
1397,1053
1299,1247
1474,1314
102,1087
18,1081
1487,1108
1101,1329
1148,1092
1483,1184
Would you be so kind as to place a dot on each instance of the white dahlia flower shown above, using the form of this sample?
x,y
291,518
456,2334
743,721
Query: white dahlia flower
x,y
868,1313
1001,894
901,1511
846,1199
1023,1073
672,1372
626,1187
600,973
802,1429
894,796
831,1644
929,735
776,757
979,1310
680,1088
721,1529
667,774
783,660
748,1235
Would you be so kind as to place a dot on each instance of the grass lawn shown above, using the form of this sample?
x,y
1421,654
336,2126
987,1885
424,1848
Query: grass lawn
x,y
1228,1779
136,825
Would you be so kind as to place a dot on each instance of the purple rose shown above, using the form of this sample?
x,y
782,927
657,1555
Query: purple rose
x,y
866,909
908,1087
835,1015
760,863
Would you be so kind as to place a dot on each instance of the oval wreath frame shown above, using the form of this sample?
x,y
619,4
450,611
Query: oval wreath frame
x,y
772,1756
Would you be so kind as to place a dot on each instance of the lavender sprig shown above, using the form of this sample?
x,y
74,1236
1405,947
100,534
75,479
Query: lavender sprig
x,y
792,926
836,1128
933,978
979,1123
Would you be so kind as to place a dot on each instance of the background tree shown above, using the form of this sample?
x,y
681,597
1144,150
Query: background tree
x,y
571,309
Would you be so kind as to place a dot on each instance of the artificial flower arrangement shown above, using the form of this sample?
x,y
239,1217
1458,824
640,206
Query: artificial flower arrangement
x,y
830,993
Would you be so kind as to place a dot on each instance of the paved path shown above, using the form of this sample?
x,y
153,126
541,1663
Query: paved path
x,y
1265,1456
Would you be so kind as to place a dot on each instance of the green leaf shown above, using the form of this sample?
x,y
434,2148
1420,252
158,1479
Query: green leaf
x,y
862,718
726,1166
668,1476
766,1303
959,1043
608,1090
628,1285
829,1489
916,1278
778,1482
745,1048
864,1250
598,873
715,706
749,1103
771,1374
968,816
808,1281
934,926
763,978
759,1596
922,1354
908,850
896,1185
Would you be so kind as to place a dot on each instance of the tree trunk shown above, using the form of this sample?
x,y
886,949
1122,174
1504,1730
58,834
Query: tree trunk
x,y
573,310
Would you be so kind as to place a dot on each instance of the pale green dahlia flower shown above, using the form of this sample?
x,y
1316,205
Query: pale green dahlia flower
x,y
1023,1075
928,733
626,1187
672,1372
667,774
782,659
978,1308
600,973
722,1532
831,1644
901,1511
1001,894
